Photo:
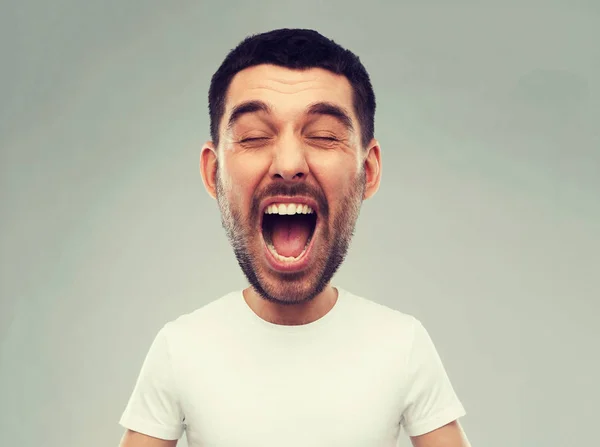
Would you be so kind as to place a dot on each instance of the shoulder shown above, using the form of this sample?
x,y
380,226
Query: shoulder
x,y
374,309
372,315
212,317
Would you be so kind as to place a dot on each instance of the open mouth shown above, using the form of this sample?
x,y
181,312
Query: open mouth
x,y
288,229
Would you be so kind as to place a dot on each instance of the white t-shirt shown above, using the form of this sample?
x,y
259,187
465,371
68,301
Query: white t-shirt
x,y
354,377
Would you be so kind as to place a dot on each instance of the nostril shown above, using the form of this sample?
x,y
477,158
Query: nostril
x,y
297,176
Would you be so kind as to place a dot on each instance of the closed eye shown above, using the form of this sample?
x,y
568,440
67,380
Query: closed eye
x,y
324,138
249,140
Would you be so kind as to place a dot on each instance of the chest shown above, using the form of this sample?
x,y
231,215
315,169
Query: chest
x,y
320,395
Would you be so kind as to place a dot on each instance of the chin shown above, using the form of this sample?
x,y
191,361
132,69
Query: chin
x,y
288,291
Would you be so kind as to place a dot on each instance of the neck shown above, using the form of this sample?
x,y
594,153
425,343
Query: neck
x,y
292,314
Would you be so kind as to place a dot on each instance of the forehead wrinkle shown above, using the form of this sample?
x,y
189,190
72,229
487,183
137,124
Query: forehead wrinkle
x,y
292,86
282,89
291,81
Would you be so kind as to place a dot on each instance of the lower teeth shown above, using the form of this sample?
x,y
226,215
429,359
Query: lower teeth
x,y
287,258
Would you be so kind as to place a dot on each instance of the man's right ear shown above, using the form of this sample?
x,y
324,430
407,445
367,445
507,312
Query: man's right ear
x,y
208,168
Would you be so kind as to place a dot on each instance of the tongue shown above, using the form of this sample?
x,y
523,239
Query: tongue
x,y
289,236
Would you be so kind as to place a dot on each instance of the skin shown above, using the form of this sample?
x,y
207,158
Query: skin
x,y
292,151
450,435
134,439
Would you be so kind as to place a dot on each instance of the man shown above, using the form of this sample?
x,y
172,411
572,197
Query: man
x,y
292,360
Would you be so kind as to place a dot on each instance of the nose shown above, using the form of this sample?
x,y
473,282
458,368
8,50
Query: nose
x,y
289,161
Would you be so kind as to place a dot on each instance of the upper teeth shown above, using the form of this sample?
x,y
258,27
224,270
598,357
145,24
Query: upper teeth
x,y
288,208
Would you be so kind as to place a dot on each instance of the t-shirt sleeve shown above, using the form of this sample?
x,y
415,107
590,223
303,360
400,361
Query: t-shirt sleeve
x,y
154,408
431,401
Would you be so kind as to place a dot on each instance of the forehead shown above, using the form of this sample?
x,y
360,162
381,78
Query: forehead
x,y
289,91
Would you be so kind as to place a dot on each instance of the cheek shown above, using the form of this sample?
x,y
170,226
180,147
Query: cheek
x,y
336,173
242,175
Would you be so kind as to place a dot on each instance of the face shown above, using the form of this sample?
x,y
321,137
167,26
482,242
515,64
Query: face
x,y
290,176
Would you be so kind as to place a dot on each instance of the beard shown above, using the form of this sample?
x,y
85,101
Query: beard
x,y
335,238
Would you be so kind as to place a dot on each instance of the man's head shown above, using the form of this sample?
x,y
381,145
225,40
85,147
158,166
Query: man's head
x,y
292,157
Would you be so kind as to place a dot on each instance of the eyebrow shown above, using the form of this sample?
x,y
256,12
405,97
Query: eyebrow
x,y
246,108
333,110
318,108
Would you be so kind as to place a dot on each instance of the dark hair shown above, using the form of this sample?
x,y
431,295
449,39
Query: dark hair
x,y
296,49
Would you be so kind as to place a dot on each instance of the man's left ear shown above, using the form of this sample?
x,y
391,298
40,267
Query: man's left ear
x,y
372,166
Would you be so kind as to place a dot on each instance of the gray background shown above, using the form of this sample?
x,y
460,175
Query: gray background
x,y
484,227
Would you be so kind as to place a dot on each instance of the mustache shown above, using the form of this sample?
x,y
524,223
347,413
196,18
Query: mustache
x,y
291,190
